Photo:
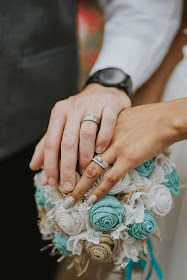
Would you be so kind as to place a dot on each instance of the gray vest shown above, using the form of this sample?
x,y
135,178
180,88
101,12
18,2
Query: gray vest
x,y
38,66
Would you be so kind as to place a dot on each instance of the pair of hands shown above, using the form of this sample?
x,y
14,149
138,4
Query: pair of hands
x,y
139,134
66,138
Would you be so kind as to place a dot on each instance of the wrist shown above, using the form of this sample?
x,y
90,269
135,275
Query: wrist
x,y
179,118
113,92
99,87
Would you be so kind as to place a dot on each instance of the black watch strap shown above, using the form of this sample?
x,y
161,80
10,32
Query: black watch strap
x,y
112,77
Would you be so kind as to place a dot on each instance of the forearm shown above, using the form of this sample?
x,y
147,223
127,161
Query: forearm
x,y
179,118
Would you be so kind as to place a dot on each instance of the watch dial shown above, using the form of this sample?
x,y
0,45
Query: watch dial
x,y
112,76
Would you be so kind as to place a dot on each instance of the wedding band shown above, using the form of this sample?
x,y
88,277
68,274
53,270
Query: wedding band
x,y
101,162
92,118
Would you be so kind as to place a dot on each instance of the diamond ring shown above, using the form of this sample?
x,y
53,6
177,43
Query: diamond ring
x,y
101,162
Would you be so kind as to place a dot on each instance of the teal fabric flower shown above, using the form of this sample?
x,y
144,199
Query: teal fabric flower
x,y
60,242
107,214
142,231
145,169
173,182
40,198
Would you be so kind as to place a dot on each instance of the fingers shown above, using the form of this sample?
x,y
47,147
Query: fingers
x,y
92,172
38,156
106,131
88,133
53,142
109,181
69,148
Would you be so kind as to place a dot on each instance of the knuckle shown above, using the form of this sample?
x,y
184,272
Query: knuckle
x,y
103,140
131,157
50,144
117,144
110,120
112,178
91,172
100,192
110,98
67,174
50,169
84,162
67,171
78,193
87,132
68,143
57,107
76,102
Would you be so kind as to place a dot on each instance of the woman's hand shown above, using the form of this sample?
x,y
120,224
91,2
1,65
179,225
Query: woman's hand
x,y
141,133
64,133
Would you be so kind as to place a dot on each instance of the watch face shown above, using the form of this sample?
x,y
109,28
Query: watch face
x,y
111,76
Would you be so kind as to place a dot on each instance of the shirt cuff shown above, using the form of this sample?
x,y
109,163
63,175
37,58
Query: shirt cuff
x,y
127,54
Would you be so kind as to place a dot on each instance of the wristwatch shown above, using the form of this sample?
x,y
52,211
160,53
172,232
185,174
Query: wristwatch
x,y
112,77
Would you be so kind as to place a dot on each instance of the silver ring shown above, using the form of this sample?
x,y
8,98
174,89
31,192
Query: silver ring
x,y
101,162
92,118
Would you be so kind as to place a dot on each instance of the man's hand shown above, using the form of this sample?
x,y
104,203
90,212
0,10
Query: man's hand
x,y
65,137
141,133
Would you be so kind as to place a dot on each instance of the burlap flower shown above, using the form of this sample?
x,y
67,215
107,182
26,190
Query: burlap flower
x,y
105,250
142,231
107,214
145,169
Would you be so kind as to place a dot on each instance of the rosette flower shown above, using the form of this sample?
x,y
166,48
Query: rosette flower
x,y
106,214
145,169
173,182
142,231
105,250
71,223
60,242
40,198
163,201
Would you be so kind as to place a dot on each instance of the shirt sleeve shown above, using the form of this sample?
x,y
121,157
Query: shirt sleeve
x,y
137,35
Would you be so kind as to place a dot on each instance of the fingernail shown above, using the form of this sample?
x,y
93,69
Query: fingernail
x,y
92,199
44,182
68,186
82,171
99,150
69,202
51,181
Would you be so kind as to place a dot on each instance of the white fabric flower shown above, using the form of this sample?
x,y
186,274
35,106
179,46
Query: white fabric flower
x,y
163,200
71,223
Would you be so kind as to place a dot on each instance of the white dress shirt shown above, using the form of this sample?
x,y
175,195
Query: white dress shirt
x,y
137,35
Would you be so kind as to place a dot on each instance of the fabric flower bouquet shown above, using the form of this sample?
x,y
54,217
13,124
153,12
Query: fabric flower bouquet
x,y
116,228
